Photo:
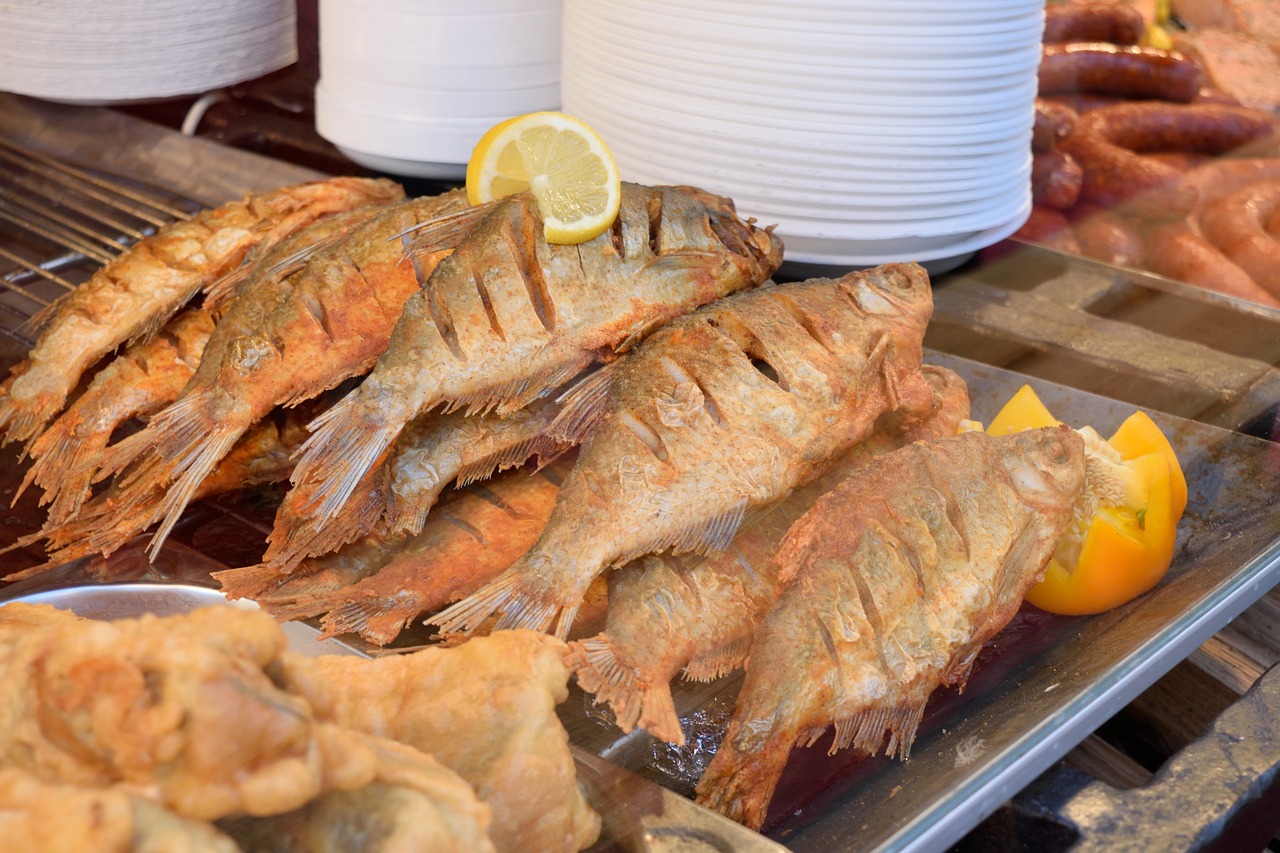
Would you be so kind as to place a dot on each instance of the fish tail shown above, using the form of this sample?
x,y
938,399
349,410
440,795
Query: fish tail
x,y
740,784
63,466
24,421
249,581
600,673
341,450
297,535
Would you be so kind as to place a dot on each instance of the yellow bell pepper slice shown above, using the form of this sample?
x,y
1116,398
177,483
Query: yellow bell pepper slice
x,y
1124,554
1023,411
1126,549
1138,436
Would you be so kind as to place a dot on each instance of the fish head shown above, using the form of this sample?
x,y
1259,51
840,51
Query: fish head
x,y
1046,464
891,290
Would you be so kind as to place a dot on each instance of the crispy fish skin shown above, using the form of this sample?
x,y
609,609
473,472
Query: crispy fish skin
x,y
464,545
717,413
149,374
282,342
431,452
509,317
146,376
666,614
139,291
899,575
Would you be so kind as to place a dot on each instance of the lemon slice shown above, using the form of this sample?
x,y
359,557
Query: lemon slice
x,y
562,161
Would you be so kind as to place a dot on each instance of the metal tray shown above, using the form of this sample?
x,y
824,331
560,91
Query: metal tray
x,y
1039,688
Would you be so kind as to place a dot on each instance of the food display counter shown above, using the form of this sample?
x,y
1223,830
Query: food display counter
x,y
1036,744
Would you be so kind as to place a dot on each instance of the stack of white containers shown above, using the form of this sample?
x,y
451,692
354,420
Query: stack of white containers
x,y
109,51
868,130
409,86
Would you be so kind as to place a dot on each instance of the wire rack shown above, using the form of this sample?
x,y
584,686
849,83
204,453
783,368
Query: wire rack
x,y
59,223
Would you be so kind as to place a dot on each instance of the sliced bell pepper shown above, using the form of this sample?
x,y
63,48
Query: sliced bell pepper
x,y
1125,548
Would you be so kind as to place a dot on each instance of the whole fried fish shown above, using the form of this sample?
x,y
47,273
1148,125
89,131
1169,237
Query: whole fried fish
x,y
509,317
667,614
715,414
473,536
433,451
283,340
898,576
149,374
139,291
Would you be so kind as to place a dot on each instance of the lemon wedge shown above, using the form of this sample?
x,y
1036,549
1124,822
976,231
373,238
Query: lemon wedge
x,y
562,161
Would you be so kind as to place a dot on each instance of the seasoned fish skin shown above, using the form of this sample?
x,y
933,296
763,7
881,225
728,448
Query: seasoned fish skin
x,y
509,317
717,413
137,292
900,575
666,614
281,342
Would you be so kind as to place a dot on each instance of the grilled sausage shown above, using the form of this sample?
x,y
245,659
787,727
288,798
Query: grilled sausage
x,y
1237,225
1105,22
1055,179
1175,250
1053,122
1108,143
1130,72
1107,236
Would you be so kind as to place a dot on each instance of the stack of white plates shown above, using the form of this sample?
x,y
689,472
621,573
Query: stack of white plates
x,y
868,130
409,86
110,51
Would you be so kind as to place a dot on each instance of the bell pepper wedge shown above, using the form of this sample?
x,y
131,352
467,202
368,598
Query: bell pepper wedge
x,y
1123,550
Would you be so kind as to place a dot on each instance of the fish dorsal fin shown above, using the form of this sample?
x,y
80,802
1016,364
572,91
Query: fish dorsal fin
x,y
443,232
866,731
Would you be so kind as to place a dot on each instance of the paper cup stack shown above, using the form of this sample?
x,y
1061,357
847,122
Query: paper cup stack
x,y
409,86
868,130
109,51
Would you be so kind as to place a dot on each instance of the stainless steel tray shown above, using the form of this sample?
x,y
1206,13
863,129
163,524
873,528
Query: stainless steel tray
x,y
1039,688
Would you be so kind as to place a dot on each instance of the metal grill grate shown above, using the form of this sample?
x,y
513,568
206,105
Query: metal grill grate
x,y
59,223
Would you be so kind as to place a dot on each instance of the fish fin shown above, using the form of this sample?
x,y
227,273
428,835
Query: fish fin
x,y
866,731
24,422
445,231
634,703
512,396
195,465
961,665
377,620
687,259
248,581
582,404
707,536
486,466
739,784
339,453
63,465
296,534
718,662
228,285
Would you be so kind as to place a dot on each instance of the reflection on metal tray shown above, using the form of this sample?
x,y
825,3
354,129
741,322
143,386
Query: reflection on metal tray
x,y
1039,687
638,815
